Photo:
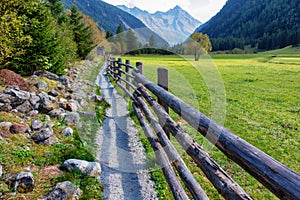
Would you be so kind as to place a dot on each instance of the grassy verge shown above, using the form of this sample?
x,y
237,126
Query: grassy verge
x,y
262,106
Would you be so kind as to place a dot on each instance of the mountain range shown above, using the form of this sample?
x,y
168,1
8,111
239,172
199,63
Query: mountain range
x,y
174,25
267,24
110,17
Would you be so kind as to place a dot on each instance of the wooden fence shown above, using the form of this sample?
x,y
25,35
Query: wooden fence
x,y
280,180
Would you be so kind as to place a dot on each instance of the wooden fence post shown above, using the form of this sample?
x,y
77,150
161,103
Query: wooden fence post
x,y
127,77
140,67
163,82
119,67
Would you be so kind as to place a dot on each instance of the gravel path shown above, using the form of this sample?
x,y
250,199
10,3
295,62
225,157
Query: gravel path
x,y
121,154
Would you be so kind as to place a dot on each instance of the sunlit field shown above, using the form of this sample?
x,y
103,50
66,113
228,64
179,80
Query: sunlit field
x,y
262,105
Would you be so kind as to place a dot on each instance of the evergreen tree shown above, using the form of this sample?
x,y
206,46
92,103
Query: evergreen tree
x,y
82,34
131,40
57,9
120,39
43,52
152,41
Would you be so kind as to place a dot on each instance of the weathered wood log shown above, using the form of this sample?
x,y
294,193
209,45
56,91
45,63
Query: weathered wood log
x,y
162,158
279,179
185,174
225,185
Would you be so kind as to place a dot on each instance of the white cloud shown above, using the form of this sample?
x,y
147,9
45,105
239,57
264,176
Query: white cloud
x,y
202,10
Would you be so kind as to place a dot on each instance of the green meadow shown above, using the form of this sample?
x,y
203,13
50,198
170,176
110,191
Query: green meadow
x,y
256,96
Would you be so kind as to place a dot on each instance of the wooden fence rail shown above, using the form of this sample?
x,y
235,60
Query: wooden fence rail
x,y
280,180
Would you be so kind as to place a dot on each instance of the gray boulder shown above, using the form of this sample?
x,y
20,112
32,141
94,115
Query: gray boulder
x,y
42,85
71,118
1,170
46,106
50,141
22,182
92,169
33,112
65,80
55,113
34,99
67,131
42,135
36,124
49,75
24,107
6,107
20,96
5,98
63,191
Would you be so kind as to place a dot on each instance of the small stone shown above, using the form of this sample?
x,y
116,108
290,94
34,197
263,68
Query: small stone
x,y
55,113
18,128
14,111
42,135
71,106
27,169
50,141
36,124
24,107
67,131
33,112
47,118
63,191
62,100
53,93
34,99
71,118
48,124
65,80
46,106
20,96
5,107
5,125
42,85
22,182
92,169
5,98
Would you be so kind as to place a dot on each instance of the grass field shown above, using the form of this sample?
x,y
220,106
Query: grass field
x,y
262,104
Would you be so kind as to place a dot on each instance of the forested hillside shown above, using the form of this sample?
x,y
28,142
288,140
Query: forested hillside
x,y
110,17
41,35
270,24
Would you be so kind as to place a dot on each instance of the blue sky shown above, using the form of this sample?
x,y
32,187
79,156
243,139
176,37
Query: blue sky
x,y
202,10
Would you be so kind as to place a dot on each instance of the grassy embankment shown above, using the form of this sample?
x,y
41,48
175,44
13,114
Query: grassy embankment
x,y
262,107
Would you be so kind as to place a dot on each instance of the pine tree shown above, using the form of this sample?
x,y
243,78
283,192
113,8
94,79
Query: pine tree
x,y
43,52
131,41
152,41
120,39
82,34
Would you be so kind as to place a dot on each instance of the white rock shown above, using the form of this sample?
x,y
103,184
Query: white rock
x,y
92,169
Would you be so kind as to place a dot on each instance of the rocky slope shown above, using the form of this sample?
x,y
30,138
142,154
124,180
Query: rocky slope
x,y
40,131
174,26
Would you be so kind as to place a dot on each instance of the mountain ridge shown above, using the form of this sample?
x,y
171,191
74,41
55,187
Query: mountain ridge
x,y
174,25
110,17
